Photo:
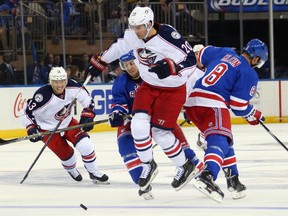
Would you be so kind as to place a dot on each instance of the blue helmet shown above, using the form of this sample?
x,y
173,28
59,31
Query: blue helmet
x,y
256,47
125,58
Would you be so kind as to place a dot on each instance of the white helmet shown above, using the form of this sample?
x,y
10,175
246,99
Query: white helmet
x,y
197,48
57,73
140,16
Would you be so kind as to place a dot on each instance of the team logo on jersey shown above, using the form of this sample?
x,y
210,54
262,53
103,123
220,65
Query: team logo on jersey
x,y
38,98
175,35
146,57
63,113
252,91
132,94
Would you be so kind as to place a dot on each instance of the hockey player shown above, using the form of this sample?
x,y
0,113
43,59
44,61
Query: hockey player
x,y
123,92
43,112
162,55
229,82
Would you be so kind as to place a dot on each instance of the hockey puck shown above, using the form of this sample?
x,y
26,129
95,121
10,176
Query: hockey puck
x,y
83,206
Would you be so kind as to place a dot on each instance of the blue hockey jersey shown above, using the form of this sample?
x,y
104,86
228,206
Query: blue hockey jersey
x,y
123,92
229,81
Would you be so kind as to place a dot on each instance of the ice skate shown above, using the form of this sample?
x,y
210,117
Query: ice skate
x,y
149,172
147,193
205,184
184,175
237,189
75,174
99,178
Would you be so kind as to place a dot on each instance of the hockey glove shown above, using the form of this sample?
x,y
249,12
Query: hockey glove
x,y
34,129
254,117
87,116
165,68
96,66
116,119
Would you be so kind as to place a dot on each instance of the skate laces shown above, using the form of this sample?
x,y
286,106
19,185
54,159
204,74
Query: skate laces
x,y
179,173
146,170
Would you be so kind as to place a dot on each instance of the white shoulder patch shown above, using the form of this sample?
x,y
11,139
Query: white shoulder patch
x,y
175,35
38,98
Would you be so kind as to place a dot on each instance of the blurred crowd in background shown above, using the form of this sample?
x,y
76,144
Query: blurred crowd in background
x,y
96,21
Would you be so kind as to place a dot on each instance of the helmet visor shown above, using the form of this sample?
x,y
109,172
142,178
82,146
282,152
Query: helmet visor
x,y
260,63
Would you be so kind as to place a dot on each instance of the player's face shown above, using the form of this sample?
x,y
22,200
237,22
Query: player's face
x,y
58,86
131,69
140,31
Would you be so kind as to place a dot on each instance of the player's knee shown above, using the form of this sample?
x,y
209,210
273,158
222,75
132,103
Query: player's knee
x,y
219,142
163,138
140,125
85,146
126,145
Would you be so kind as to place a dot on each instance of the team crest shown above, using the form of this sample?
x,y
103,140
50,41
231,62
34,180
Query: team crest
x,y
146,57
175,35
132,94
252,91
38,98
63,113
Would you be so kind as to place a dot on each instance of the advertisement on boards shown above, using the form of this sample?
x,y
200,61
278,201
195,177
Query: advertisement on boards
x,y
13,104
218,6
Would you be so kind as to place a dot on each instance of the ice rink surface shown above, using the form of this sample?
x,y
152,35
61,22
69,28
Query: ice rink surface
x,y
49,190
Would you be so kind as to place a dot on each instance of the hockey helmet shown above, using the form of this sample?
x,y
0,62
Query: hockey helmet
x,y
141,16
256,47
57,73
125,58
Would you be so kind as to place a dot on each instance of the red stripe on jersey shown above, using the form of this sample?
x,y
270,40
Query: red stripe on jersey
x,y
238,104
125,106
214,157
133,163
210,96
229,161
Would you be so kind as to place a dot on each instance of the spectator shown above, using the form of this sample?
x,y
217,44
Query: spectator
x,y
7,12
72,18
85,60
37,72
76,74
49,61
7,71
57,61
69,60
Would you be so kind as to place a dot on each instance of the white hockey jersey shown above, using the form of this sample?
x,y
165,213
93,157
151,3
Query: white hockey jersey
x,y
46,109
167,43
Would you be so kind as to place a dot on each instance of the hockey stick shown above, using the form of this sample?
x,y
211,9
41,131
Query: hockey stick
x,y
5,142
267,129
56,128
182,123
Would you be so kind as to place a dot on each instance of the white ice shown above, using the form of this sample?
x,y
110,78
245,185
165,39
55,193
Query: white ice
x,y
49,190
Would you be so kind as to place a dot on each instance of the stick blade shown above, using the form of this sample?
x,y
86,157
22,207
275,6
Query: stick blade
x,y
4,142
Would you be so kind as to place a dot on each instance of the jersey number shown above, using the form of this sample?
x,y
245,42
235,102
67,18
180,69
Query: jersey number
x,y
212,77
187,47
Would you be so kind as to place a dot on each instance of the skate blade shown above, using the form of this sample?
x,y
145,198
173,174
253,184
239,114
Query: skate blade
x,y
95,181
151,179
192,175
202,187
148,196
238,195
